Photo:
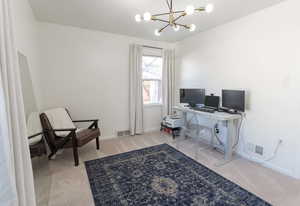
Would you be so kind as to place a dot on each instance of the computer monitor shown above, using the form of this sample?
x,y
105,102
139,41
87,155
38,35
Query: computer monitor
x,y
192,96
233,99
212,102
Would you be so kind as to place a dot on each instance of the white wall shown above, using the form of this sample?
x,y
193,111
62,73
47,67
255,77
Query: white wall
x,y
258,53
87,71
25,29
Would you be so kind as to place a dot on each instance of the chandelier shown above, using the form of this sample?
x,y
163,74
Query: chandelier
x,y
173,17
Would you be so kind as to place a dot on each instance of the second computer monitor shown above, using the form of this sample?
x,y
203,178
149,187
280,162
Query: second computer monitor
x,y
233,99
192,96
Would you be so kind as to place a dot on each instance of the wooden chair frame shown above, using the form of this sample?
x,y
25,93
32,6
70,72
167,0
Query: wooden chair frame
x,y
39,148
50,136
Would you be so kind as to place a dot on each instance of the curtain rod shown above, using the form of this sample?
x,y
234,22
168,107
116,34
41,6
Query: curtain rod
x,y
152,47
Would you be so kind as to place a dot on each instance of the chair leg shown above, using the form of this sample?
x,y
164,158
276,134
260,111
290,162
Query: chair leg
x,y
75,148
50,155
97,143
75,153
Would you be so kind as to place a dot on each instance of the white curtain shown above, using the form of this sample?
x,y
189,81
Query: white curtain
x,y
16,178
168,80
136,90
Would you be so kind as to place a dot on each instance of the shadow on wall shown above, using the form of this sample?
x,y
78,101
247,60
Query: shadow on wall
x,y
27,87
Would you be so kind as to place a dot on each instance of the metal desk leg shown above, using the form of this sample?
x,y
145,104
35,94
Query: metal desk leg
x,y
230,140
231,135
182,132
173,134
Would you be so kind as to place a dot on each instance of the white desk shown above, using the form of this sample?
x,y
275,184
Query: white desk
x,y
231,122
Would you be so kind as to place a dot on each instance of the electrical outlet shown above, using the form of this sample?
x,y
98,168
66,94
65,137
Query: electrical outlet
x,y
259,150
217,130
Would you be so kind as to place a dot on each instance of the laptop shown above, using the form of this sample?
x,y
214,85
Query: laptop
x,y
211,104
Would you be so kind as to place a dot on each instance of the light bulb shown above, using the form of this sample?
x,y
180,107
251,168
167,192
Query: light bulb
x,y
138,18
156,32
190,9
192,27
147,16
209,8
176,28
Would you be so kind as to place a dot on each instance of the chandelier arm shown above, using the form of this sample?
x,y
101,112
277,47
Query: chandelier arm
x,y
178,18
176,12
164,28
167,1
162,20
200,9
182,25
180,11
162,14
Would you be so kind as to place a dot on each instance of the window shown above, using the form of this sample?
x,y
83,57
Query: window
x,y
152,79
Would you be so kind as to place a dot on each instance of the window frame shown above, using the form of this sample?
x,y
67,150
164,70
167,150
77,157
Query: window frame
x,y
151,79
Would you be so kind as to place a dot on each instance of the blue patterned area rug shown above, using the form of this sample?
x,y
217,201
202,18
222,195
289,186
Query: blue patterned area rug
x,y
161,175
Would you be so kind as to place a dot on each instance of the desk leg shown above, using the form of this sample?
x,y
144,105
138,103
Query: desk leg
x,y
183,132
231,136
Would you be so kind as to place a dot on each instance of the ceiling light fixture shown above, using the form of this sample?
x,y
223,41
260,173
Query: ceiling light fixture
x,y
173,17
190,9
138,18
192,27
147,16
209,8
156,32
176,28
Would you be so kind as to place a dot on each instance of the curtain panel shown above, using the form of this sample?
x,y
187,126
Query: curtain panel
x,y
168,81
16,182
136,90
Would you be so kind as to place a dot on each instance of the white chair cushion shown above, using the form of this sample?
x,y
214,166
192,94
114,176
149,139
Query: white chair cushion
x,y
59,119
34,127
34,140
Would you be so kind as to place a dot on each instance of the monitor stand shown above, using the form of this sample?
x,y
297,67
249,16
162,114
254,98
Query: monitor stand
x,y
230,111
192,105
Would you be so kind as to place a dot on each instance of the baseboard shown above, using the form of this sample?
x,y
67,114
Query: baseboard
x,y
154,129
269,165
108,137
280,169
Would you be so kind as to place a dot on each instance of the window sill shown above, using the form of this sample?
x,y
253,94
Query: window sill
x,y
152,105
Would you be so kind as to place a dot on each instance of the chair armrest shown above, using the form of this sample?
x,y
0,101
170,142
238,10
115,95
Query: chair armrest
x,y
64,130
93,125
87,120
37,134
71,134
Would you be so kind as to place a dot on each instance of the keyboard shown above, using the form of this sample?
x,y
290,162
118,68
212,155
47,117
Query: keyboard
x,y
204,109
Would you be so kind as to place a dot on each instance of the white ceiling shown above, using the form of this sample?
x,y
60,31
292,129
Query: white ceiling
x,y
117,16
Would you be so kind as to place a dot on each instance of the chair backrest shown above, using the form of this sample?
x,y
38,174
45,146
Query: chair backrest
x,y
48,131
58,118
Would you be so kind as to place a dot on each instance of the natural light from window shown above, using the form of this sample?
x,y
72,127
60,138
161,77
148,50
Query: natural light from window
x,y
152,80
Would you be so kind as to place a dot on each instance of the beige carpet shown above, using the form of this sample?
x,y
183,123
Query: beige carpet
x,y
59,183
